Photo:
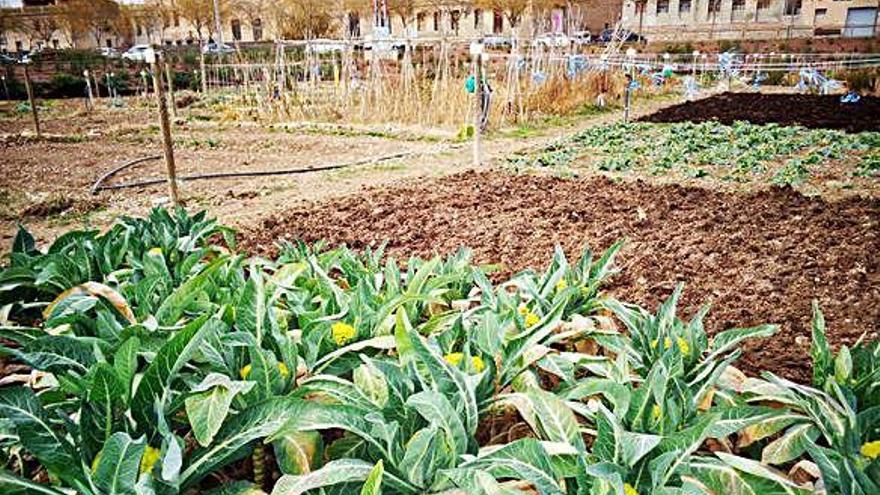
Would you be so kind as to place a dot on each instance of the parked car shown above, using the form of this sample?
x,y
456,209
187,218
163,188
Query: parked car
x,y
497,42
217,49
6,59
322,46
627,36
108,52
553,40
582,38
137,53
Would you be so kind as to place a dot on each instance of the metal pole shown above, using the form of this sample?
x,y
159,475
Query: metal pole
x,y
478,110
167,143
30,95
5,88
627,99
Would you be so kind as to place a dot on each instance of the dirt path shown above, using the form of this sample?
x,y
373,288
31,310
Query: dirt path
x,y
45,184
759,258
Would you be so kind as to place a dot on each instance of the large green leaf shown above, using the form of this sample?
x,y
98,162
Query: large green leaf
x,y
256,422
11,484
22,408
117,469
208,406
298,452
789,446
436,410
152,393
334,473
174,305
101,409
373,484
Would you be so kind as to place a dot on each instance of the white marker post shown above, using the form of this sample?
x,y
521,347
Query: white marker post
x,y
89,90
477,54
152,58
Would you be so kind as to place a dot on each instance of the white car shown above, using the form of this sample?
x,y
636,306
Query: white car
x,y
217,48
137,53
553,40
108,52
322,46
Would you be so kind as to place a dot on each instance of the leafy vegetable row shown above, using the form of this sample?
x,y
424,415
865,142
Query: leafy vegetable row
x,y
161,362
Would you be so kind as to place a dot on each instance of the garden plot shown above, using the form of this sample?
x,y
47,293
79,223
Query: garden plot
x,y
758,257
740,155
813,111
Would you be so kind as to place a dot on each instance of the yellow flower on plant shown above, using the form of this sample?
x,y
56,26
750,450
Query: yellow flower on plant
x,y
532,319
871,450
151,456
478,363
629,490
156,251
523,310
342,333
656,412
683,346
282,368
561,285
455,358
245,372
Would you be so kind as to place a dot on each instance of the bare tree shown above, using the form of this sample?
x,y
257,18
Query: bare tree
x,y
94,17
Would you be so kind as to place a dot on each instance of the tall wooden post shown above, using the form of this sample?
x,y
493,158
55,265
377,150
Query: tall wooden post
x,y
170,77
33,103
477,53
167,144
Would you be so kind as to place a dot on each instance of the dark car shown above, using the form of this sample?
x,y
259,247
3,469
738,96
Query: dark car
x,y
626,36
6,59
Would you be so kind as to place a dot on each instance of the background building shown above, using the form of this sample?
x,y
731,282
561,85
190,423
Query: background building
x,y
680,20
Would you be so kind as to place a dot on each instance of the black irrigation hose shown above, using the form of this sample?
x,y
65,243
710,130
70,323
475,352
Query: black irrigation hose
x,y
97,185
222,175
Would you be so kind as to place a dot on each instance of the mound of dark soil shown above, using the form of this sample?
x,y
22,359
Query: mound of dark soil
x,y
813,111
759,258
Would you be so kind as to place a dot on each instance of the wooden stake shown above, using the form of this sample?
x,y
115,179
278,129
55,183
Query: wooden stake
x,y
30,95
167,144
478,111
168,75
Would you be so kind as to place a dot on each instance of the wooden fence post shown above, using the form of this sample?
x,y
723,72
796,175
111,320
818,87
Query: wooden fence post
x,y
167,143
33,103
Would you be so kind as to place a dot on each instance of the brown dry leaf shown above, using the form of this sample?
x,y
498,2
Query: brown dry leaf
x,y
97,290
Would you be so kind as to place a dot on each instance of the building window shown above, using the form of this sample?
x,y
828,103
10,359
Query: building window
x,y
497,22
478,18
18,46
109,42
714,6
763,4
236,29
738,5
55,44
420,21
454,18
139,29
436,20
820,14
662,6
257,28
684,6
793,7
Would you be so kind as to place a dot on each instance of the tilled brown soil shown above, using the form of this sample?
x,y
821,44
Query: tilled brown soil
x,y
813,111
759,258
